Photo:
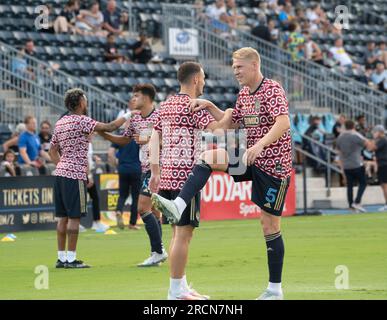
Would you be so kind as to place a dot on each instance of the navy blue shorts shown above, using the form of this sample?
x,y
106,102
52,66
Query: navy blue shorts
x,y
70,198
191,214
268,192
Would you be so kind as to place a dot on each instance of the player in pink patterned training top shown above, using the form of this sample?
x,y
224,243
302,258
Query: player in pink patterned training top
x,y
140,128
262,112
179,130
68,150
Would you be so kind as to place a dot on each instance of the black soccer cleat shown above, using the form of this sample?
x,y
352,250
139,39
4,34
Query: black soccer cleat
x,y
59,264
76,264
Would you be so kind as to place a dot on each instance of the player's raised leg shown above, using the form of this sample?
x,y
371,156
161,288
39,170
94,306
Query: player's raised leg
x,y
211,160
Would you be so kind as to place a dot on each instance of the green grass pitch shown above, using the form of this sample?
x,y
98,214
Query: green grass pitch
x,y
227,261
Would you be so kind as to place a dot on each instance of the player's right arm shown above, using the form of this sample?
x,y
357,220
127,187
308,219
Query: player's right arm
x,y
113,125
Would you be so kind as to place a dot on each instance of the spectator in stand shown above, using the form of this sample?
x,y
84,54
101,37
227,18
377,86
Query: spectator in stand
x,y
286,15
339,125
274,31
339,54
91,21
111,51
50,28
301,19
9,164
316,17
65,22
350,145
262,30
379,145
361,125
383,53
112,18
200,10
295,42
30,148
19,66
236,18
45,134
371,54
311,49
12,143
215,10
379,77
142,50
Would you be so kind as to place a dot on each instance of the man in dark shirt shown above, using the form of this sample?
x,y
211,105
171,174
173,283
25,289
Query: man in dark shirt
x,y
380,148
112,18
142,51
339,125
261,30
111,51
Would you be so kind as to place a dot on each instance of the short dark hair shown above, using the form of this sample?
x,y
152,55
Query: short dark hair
x,y
27,119
46,122
73,98
187,70
349,124
146,89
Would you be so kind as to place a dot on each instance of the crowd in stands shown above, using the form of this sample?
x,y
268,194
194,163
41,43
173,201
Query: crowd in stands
x,y
328,135
292,27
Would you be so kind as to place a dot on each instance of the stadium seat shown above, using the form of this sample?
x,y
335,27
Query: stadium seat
x,y
27,171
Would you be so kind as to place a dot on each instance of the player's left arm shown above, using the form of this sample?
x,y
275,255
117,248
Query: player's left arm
x,y
281,125
54,153
154,160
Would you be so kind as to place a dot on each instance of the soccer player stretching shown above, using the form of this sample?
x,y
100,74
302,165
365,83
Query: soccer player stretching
x,y
68,150
262,110
140,129
177,128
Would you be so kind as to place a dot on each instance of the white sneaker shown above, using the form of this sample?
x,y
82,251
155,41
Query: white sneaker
x,y
358,207
182,296
384,208
270,295
154,260
166,207
98,225
82,228
194,293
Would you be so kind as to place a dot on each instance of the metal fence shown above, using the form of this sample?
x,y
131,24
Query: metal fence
x,y
30,86
303,80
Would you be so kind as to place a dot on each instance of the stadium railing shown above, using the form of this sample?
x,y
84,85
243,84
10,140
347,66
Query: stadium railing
x,y
303,80
41,89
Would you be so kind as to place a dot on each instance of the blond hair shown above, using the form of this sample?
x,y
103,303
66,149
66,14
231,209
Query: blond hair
x,y
247,53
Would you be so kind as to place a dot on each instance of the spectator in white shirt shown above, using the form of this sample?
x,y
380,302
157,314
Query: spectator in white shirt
x,y
340,55
379,77
215,10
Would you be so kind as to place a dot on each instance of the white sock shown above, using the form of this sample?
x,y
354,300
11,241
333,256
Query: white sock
x,y
71,256
184,283
175,285
62,256
275,287
180,204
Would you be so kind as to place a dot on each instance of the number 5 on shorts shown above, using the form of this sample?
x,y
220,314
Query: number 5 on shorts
x,y
271,195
